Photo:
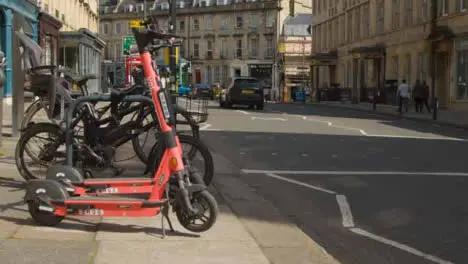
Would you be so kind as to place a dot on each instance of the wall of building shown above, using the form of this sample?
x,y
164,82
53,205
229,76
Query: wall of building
x,y
403,32
74,14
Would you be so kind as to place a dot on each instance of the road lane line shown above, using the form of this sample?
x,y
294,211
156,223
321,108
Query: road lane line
x,y
403,247
418,137
299,183
243,112
348,222
205,126
403,173
268,118
345,210
363,132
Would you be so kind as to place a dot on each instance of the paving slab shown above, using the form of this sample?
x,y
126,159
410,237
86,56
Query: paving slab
x,y
226,229
77,229
15,251
166,252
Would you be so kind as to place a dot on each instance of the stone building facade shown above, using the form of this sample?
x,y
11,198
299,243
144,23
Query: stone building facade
x,y
362,44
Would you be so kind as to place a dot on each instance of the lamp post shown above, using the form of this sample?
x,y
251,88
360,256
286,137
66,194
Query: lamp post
x,y
432,58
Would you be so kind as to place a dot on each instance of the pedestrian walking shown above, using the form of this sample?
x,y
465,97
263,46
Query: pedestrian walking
x,y
403,94
426,97
418,96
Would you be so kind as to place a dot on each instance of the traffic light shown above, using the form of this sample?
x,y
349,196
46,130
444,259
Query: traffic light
x,y
167,55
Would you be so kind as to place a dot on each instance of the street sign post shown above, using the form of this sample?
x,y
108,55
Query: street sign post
x,y
127,42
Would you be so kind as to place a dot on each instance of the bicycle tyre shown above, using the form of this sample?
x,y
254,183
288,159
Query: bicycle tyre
x,y
24,139
138,148
196,144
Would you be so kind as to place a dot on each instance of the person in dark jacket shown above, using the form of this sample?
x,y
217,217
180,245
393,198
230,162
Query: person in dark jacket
x,y
418,96
426,97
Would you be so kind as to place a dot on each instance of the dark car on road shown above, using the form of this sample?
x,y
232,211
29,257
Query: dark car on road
x,y
202,91
242,91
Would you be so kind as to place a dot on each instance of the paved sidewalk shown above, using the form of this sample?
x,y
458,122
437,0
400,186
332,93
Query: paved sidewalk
x,y
445,117
249,230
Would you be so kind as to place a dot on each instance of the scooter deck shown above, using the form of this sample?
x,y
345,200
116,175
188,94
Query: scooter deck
x,y
115,181
114,200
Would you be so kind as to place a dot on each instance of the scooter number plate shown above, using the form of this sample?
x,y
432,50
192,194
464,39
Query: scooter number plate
x,y
91,212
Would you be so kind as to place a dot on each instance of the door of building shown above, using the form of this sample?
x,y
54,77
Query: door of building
x,y
442,82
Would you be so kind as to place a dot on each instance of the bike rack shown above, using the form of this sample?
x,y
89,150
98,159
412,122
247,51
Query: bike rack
x,y
69,131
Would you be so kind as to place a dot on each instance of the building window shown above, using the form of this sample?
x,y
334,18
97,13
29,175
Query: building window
x,y
343,29
253,20
209,49
408,69
208,75
217,74
57,14
422,11
330,34
350,27
269,19
225,74
395,14
409,12
196,49
462,74
223,51
117,28
463,5
196,24
209,22
422,62
380,19
442,7
269,48
239,49
182,25
253,47
63,18
395,66
182,50
365,21
224,23
239,22
357,30
105,28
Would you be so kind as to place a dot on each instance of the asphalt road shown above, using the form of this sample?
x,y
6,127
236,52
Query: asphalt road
x,y
368,188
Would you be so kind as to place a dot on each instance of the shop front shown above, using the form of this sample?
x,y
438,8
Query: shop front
x,y
327,60
362,90
461,65
48,38
81,52
15,15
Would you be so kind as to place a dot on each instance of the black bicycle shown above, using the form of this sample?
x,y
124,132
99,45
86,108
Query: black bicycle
x,y
96,147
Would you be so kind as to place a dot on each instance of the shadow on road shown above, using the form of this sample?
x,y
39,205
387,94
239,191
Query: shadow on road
x,y
401,207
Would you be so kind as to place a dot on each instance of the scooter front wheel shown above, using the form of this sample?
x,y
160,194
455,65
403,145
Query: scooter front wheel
x,y
205,204
41,217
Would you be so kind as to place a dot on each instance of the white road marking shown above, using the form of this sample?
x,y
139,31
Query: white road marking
x,y
205,126
272,175
345,211
363,132
403,247
274,154
348,222
418,137
404,173
304,155
268,118
243,112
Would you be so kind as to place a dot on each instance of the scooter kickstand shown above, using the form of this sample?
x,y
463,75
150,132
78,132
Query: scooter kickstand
x,y
165,215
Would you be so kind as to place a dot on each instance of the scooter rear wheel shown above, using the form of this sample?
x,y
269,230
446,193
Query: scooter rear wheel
x,y
41,217
204,202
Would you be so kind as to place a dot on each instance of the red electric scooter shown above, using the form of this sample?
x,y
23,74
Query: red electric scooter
x,y
49,201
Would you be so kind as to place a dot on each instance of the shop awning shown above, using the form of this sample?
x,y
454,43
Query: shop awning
x,y
368,52
324,59
441,33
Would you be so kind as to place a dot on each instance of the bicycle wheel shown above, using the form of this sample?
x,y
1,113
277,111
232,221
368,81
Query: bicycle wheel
x,y
202,162
142,144
53,148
